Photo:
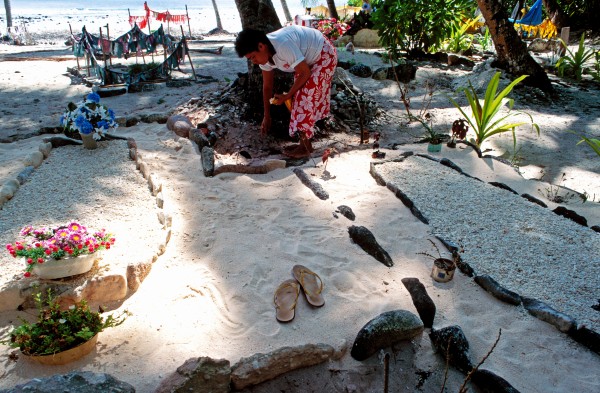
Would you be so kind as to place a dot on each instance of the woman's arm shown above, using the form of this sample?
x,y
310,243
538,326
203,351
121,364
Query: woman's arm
x,y
268,78
302,73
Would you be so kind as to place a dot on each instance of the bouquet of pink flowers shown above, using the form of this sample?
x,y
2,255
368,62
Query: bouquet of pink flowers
x,y
58,243
332,28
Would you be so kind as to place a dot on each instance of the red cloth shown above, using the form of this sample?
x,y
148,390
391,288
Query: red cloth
x,y
312,101
141,21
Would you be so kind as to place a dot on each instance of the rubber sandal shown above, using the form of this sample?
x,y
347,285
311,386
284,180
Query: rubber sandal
x,y
285,300
311,284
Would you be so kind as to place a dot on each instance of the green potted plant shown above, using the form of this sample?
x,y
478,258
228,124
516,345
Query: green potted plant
x,y
431,136
61,251
60,336
443,268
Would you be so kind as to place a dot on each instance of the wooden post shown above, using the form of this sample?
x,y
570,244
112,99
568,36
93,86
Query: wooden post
x,y
73,38
564,35
168,22
185,47
107,81
108,39
188,20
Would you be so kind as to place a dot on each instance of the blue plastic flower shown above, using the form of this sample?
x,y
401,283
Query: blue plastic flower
x,y
111,113
94,97
103,124
83,125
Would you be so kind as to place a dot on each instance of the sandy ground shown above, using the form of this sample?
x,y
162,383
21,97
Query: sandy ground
x,y
236,237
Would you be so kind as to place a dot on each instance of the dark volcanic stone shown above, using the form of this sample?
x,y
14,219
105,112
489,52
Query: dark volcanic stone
x,y
452,344
347,212
361,70
489,382
587,337
533,199
365,239
422,301
385,330
542,311
570,214
503,186
78,381
499,292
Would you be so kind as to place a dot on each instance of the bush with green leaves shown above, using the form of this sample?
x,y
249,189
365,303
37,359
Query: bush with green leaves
x,y
486,120
459,39
573,64
417,26
591,142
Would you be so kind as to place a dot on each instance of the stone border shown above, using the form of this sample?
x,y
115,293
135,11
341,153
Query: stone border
x,y
115,286
538,309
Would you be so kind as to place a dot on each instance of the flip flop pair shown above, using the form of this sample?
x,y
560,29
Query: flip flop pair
x,y
286,295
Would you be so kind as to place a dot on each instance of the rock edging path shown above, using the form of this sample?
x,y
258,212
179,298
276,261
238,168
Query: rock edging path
x,y
47,191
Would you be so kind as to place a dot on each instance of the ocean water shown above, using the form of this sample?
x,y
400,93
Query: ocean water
x,y
36,14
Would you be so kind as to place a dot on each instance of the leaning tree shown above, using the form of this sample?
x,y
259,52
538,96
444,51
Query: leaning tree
x,y
511,52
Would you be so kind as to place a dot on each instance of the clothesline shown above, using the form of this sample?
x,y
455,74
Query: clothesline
x,y
165,16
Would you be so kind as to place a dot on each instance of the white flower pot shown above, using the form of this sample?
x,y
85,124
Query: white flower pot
x,y
59,268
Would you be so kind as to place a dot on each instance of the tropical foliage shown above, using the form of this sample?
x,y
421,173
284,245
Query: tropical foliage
x,y
573,64
419,26
486,120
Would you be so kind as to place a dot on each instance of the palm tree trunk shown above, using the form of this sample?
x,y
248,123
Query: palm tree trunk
x,y
261,15
512,54
556,13
219,24
332,10
8,13
286,11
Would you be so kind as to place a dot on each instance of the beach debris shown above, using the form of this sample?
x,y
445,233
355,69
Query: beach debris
x,y
385,330
366,240
311,184
453,346
346,211
542,311
215,375
489,284
422,301
587,337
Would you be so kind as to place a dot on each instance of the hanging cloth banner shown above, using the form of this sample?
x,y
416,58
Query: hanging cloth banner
x,y
165,16
141,21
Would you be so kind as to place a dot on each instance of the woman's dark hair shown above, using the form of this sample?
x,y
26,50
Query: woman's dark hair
x,y
248,39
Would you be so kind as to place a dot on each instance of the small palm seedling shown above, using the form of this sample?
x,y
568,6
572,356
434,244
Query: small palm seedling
x,y
573,63
486,121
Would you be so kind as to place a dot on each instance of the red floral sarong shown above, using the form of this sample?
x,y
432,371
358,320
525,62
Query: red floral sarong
x,y
311,102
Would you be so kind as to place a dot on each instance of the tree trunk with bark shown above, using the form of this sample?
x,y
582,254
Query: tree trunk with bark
x,y
511,51
286,11
556,13
332,10
261,15
8,13
217,16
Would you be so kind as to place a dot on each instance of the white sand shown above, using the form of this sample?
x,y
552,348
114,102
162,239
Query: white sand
x,y
236,237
